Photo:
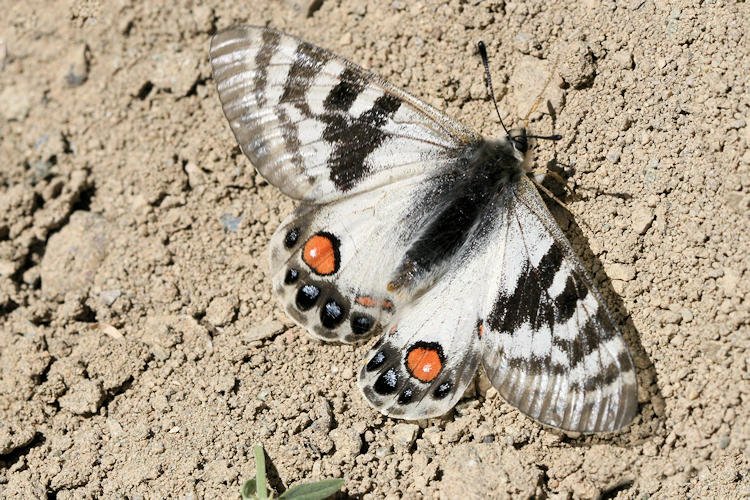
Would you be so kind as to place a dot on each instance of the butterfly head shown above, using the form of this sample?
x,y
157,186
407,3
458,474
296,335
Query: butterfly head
x,y
519,139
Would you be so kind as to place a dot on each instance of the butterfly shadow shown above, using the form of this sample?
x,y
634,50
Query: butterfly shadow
x,y
650,419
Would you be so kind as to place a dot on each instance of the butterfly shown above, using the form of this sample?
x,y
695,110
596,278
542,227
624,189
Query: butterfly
x,y
413,227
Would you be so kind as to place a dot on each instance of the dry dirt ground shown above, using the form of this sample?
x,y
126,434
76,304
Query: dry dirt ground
x,y
142,353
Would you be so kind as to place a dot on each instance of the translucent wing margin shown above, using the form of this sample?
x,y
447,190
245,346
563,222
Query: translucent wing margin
x,y
319,127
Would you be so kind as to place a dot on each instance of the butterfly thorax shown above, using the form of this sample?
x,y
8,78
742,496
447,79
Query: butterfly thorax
x,y
502,158
461,203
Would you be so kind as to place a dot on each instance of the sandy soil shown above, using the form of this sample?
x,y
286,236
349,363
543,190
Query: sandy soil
x,y
142,354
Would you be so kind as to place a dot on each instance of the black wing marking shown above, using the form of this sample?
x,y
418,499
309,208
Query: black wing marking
x,y
551,348
319,127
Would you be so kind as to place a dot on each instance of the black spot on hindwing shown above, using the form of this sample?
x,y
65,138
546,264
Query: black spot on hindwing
x,y
443,390
291,237
387,382
332,314
376,361
291,277
361,323
307,296
386,353
406,396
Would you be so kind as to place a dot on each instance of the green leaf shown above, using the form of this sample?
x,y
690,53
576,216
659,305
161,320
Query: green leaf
x,y
260,472
248,490
313,491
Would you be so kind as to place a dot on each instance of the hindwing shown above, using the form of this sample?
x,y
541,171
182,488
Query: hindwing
x,y
330,263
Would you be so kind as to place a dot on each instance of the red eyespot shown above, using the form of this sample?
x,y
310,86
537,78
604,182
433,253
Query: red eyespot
x,y
321,253
424,362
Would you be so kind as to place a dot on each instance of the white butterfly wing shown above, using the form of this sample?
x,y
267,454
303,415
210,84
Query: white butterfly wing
x,y
518,299
549,345
319,127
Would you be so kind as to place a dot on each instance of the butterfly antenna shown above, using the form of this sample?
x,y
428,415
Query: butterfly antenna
x,y
554,137
488,80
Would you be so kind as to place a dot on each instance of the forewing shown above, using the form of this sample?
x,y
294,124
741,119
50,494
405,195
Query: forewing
x,y
549,345
319,127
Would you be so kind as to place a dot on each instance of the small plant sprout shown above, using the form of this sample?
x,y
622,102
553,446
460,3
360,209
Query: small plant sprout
x,y
257,489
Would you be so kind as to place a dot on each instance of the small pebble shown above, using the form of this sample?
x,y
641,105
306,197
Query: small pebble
x,y
577,66
15,103
172,69
613,155
724,441
623,59
230,222
433,435
404,435
670,317
196,177
693,393
641,219
264,330
687,315
83,398
13,437
622,272
348,443
346,39
729,281
221,311
109,296
77,66
203,16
